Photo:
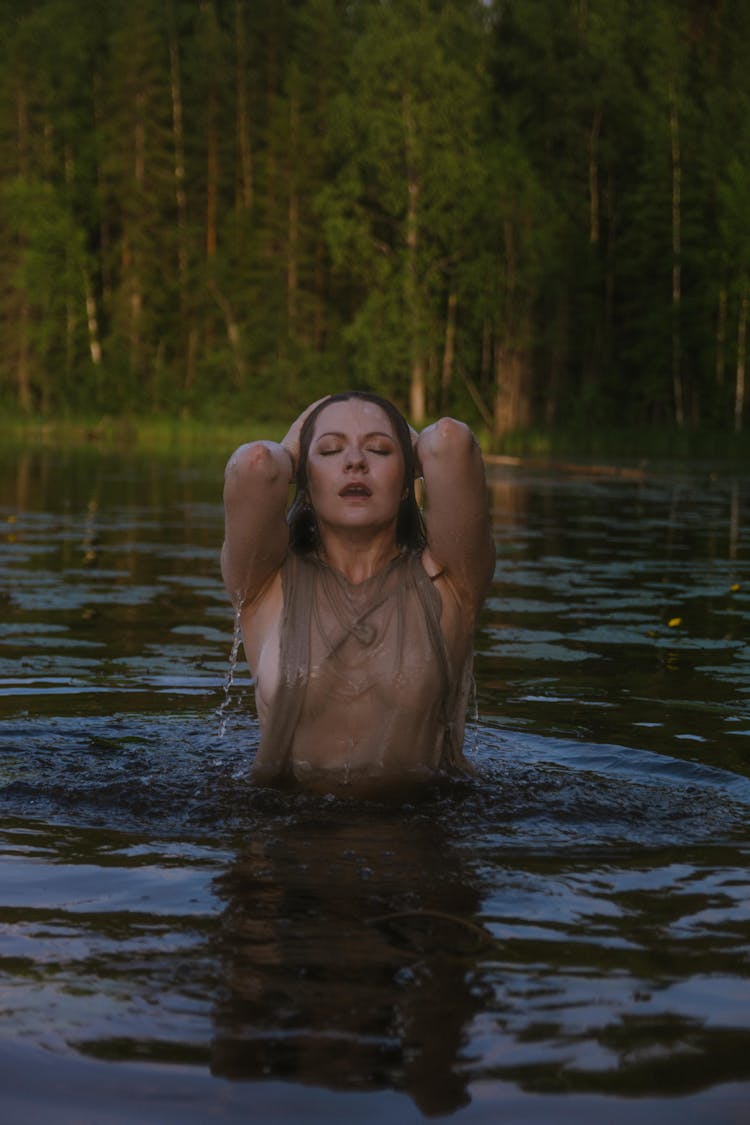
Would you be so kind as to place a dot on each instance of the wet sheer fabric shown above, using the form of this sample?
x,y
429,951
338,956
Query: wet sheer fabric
x,y
366,689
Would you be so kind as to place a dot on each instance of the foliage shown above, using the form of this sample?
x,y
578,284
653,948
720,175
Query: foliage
x,y
527,212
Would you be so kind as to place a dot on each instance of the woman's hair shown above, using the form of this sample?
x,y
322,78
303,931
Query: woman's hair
x,y
303,525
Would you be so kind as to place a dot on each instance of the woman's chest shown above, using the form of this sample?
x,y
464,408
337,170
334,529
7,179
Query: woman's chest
x,y
387,655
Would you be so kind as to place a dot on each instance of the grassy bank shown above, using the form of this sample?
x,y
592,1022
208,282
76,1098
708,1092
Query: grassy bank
x,y
639,445
112,434
160,434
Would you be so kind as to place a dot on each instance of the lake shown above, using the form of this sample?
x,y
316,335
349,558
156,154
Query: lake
x,y
565,938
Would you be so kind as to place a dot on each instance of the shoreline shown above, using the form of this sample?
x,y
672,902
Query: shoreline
x,y
618,453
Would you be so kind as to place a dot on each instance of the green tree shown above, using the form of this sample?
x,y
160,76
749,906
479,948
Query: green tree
x,y
134,132
46,207
726,270
401,199
532,210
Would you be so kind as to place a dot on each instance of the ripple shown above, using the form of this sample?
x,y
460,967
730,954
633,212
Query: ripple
x,y
174,773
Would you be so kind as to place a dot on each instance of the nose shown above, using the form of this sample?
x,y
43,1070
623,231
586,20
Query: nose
x,y
355,459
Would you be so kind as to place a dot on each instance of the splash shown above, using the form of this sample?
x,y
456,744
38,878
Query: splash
x,y
471,737
229,679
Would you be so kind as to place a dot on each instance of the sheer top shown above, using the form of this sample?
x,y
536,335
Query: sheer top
x,y
367,692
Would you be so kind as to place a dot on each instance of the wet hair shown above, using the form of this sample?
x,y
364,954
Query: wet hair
x,y
304,536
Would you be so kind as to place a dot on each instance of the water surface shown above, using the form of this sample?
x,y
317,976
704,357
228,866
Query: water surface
x,y
565,938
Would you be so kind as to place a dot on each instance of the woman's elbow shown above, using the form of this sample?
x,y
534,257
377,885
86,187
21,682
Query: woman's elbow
x,y
257,460
449,438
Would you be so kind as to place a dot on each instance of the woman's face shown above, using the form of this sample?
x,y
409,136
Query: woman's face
x,y
355,468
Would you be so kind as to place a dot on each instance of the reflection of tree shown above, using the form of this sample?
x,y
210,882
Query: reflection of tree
x,y
347,955
665,1056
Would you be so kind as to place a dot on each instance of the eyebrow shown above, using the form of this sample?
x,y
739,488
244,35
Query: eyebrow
x,y
371,434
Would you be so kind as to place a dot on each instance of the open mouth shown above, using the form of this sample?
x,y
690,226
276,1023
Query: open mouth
x,y
359,491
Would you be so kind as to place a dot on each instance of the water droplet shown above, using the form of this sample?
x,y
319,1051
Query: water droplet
x,y
229,680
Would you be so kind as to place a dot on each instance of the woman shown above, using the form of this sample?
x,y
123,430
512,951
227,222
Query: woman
x,y
357,619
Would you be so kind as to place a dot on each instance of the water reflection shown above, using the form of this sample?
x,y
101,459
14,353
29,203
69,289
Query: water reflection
x,y
626,978
734,520
348,949
619,606
575,919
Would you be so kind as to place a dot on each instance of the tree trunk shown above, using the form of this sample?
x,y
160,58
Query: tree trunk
x,y
71,295
233,334
136,308
485,370
292,221
677,382
319,314
449,348
212,179
178,142
417,390
721,336
190,363
132,252
511,399
245,195
70,338
23,367
178,149
105,254
23,362
739,395
292,281
92,321
594,177
734,520
22,134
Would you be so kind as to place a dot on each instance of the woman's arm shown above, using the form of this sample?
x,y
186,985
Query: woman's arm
x,y
456,509
256,535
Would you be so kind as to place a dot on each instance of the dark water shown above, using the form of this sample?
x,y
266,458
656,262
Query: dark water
x,y
567,938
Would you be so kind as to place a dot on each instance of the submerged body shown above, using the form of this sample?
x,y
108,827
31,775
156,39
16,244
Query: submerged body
x,y
360,645
365,690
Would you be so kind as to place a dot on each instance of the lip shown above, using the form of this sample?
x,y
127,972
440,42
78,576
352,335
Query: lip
x,y
355,490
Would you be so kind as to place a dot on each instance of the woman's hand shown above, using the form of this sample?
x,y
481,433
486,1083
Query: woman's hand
x,y
291,441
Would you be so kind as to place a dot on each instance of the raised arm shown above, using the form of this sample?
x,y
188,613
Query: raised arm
x,y
256,488
256,537
456,510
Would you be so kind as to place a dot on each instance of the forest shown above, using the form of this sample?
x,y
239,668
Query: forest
x,y
529,213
